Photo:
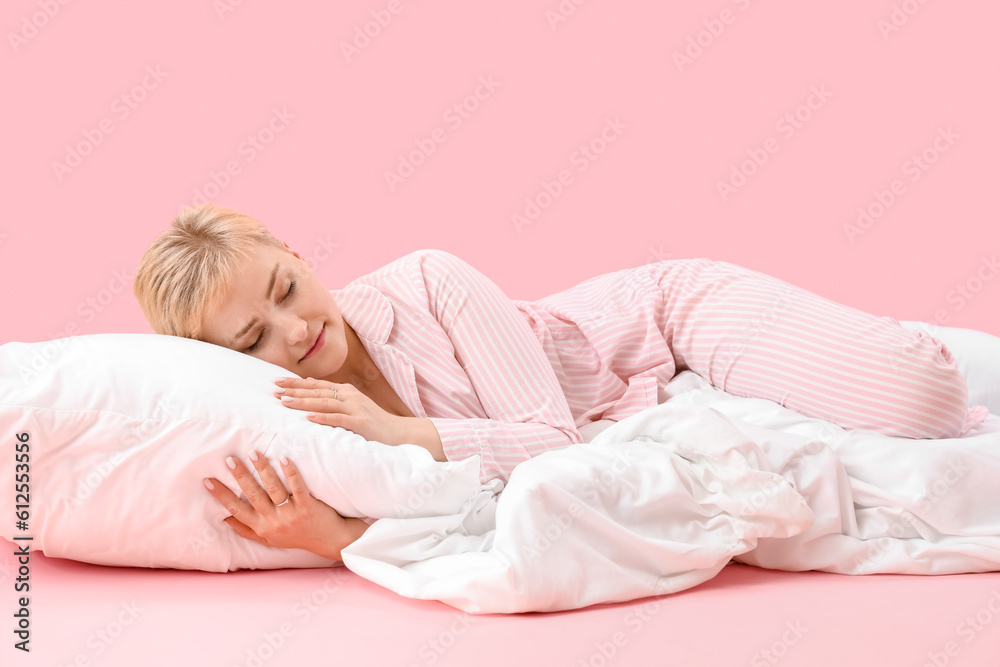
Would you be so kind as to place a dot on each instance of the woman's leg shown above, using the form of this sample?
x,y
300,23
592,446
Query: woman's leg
x,y
754,335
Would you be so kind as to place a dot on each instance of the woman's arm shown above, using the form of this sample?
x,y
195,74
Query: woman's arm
x,y
527,412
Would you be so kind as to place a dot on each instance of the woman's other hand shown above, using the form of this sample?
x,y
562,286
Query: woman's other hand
x,y
341,405
285,519
344,405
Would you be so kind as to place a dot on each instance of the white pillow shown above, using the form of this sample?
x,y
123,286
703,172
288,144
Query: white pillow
x,y
978,356
123,427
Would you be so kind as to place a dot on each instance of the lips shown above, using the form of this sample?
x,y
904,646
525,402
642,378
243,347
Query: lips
x,y
317,345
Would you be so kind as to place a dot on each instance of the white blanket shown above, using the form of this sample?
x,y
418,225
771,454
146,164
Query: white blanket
x,y
661,502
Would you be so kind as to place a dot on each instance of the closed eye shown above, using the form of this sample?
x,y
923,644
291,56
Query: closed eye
x,y
260,339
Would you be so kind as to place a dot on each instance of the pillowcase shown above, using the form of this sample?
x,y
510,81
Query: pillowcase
x,y
977,354
122,428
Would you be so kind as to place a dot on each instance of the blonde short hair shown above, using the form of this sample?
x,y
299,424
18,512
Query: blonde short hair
x,y
187,271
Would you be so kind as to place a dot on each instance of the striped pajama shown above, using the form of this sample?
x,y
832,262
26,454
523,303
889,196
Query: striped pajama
x,y
510,379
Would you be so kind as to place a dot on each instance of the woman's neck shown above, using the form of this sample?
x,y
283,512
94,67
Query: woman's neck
x,y
358,368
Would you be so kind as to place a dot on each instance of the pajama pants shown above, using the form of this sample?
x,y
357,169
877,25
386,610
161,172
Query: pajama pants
x,y
750,335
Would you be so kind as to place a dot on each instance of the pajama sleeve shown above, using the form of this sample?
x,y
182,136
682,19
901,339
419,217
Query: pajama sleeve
x,y
527,411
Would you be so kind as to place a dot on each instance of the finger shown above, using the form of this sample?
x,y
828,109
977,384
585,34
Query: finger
x,y
273,487
292,383
320,404
251,489
309,384
244,531
233,503
296,484
330,419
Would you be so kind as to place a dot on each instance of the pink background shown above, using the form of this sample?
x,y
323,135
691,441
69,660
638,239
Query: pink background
x,y
67,239
71,237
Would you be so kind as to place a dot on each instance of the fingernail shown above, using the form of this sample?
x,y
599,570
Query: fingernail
x,y
284,460
253,455
208,484
287,399
231,462
280,390
279,380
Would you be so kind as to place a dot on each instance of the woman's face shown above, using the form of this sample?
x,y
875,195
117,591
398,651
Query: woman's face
x,y
266,317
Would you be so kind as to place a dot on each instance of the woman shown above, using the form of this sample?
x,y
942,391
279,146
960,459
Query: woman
x,y
426,350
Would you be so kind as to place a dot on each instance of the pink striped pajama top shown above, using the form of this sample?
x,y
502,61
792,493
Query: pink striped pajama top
x,y
510,379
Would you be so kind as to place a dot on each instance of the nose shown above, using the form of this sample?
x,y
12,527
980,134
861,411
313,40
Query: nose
x,y
297,330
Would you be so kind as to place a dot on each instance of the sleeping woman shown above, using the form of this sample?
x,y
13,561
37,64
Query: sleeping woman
x,y
428,351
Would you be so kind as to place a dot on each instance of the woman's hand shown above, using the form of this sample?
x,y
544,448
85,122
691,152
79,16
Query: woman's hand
x,y
303,522
342,405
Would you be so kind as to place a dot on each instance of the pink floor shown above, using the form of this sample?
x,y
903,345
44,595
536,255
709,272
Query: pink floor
x,y
86,615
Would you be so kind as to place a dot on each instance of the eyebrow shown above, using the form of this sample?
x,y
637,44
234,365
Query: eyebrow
x,y
267,295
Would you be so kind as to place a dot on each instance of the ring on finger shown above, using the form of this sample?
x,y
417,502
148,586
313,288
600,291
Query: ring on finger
x,y
289,497
334,392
